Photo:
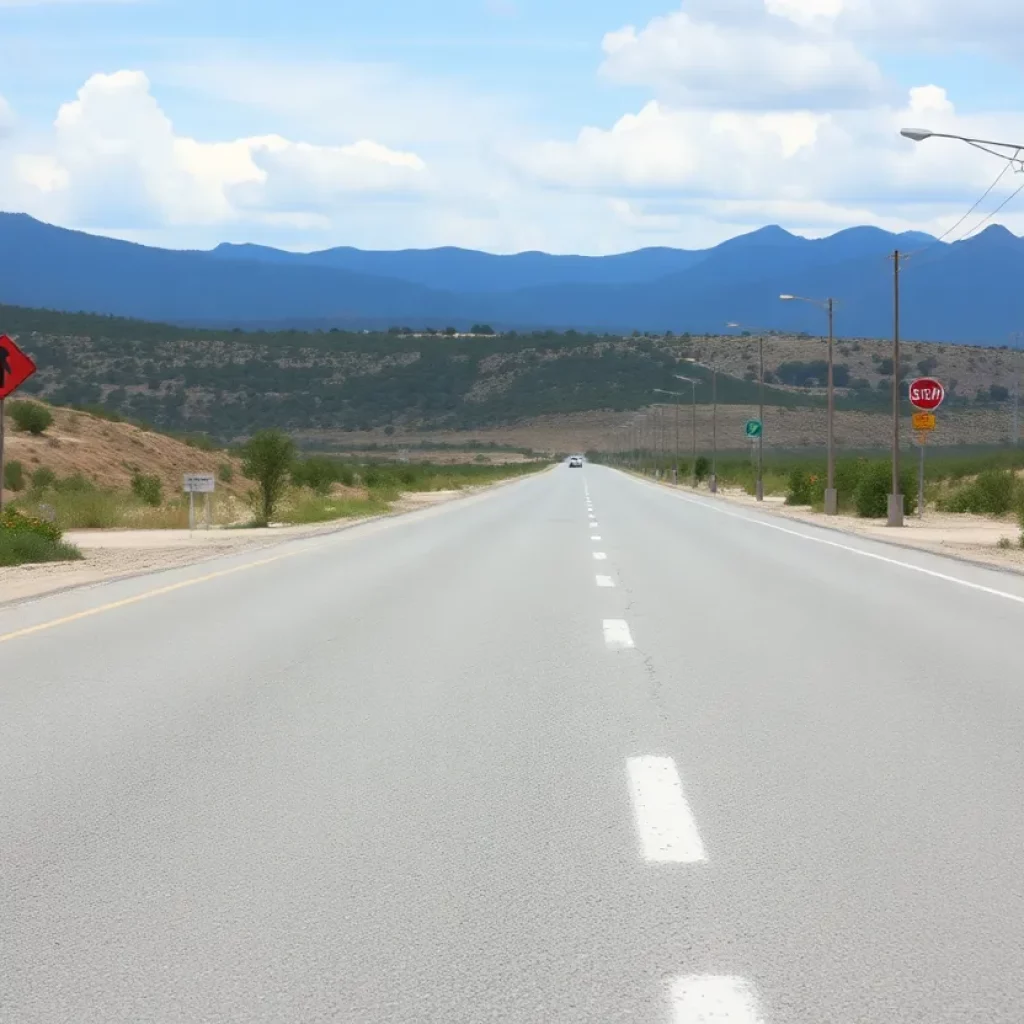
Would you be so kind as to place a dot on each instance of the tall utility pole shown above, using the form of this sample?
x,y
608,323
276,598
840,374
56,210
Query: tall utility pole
x,y
714,427
693,382
831,497
1015,340
675,469
760,437
895,509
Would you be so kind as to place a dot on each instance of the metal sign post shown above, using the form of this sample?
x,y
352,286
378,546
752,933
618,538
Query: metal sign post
x,y
920,475
1,455
198,483
15,368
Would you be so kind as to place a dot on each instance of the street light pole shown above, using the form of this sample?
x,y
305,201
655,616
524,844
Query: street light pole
x,y
760,416
693,426
675,470
895,509
759,484
713,482
831,496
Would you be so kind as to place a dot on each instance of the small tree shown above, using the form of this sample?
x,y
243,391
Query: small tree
x,y
267,459
14,475
30,416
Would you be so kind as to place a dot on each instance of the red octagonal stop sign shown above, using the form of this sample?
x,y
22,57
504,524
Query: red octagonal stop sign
x,y
926,393
15,367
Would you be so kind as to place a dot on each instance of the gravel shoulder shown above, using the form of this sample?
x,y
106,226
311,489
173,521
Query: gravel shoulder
x,y
970,537
115,554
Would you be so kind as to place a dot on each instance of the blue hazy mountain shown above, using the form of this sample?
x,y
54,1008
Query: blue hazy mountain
x,y
965,291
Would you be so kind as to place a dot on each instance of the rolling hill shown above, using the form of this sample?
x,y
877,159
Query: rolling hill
x,y
228,383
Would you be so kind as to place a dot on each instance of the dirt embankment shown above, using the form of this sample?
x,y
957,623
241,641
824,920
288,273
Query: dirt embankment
x,y
109,453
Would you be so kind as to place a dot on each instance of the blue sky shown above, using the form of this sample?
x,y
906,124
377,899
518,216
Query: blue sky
x,y
568,125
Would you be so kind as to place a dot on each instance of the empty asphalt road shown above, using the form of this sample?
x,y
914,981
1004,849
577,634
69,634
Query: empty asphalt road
x,y
578,749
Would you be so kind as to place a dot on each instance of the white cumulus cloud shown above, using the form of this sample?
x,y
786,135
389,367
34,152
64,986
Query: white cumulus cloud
x,y
743,56
115,158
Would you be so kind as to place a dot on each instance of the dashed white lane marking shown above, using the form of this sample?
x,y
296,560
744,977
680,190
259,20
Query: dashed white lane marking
x,y
604,581
616,635
713,999
594,536
599,556
664,821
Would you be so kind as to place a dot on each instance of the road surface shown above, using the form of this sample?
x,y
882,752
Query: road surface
x,y
579,749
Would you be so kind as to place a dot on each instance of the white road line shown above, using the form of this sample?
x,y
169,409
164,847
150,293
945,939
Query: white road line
x,y
1019,599
664,822
616,635
599,556
594,536
713,999
604,581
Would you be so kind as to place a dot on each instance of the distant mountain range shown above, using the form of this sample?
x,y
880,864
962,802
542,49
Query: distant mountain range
x,y
966,291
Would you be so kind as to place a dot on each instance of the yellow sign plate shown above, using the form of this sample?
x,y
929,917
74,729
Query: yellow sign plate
x,y
924,421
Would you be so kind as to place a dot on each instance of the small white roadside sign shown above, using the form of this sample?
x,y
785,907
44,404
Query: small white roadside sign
x,y
199,483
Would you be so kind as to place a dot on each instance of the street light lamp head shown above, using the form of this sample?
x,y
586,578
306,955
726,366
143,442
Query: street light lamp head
x,y
787,298
916,134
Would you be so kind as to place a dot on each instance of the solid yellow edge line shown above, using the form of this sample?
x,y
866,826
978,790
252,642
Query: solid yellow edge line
x,y
43,626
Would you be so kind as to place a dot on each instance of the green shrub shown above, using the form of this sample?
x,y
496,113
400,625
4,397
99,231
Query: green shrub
x,y
798,490
14,475
18,548
871,497
43,478
225,472
74,484
702,468
14,521
30,416
992,492
317,473
149,489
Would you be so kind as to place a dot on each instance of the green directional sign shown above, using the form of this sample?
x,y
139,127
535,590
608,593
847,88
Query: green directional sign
x,y
754,428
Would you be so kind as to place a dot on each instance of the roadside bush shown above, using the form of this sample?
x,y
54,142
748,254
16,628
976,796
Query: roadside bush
x,y
12,521
74,484
24,548
317,473
992,492
225,472
871,497
31,417
798,489
702,468
43,478
14,475
149,489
